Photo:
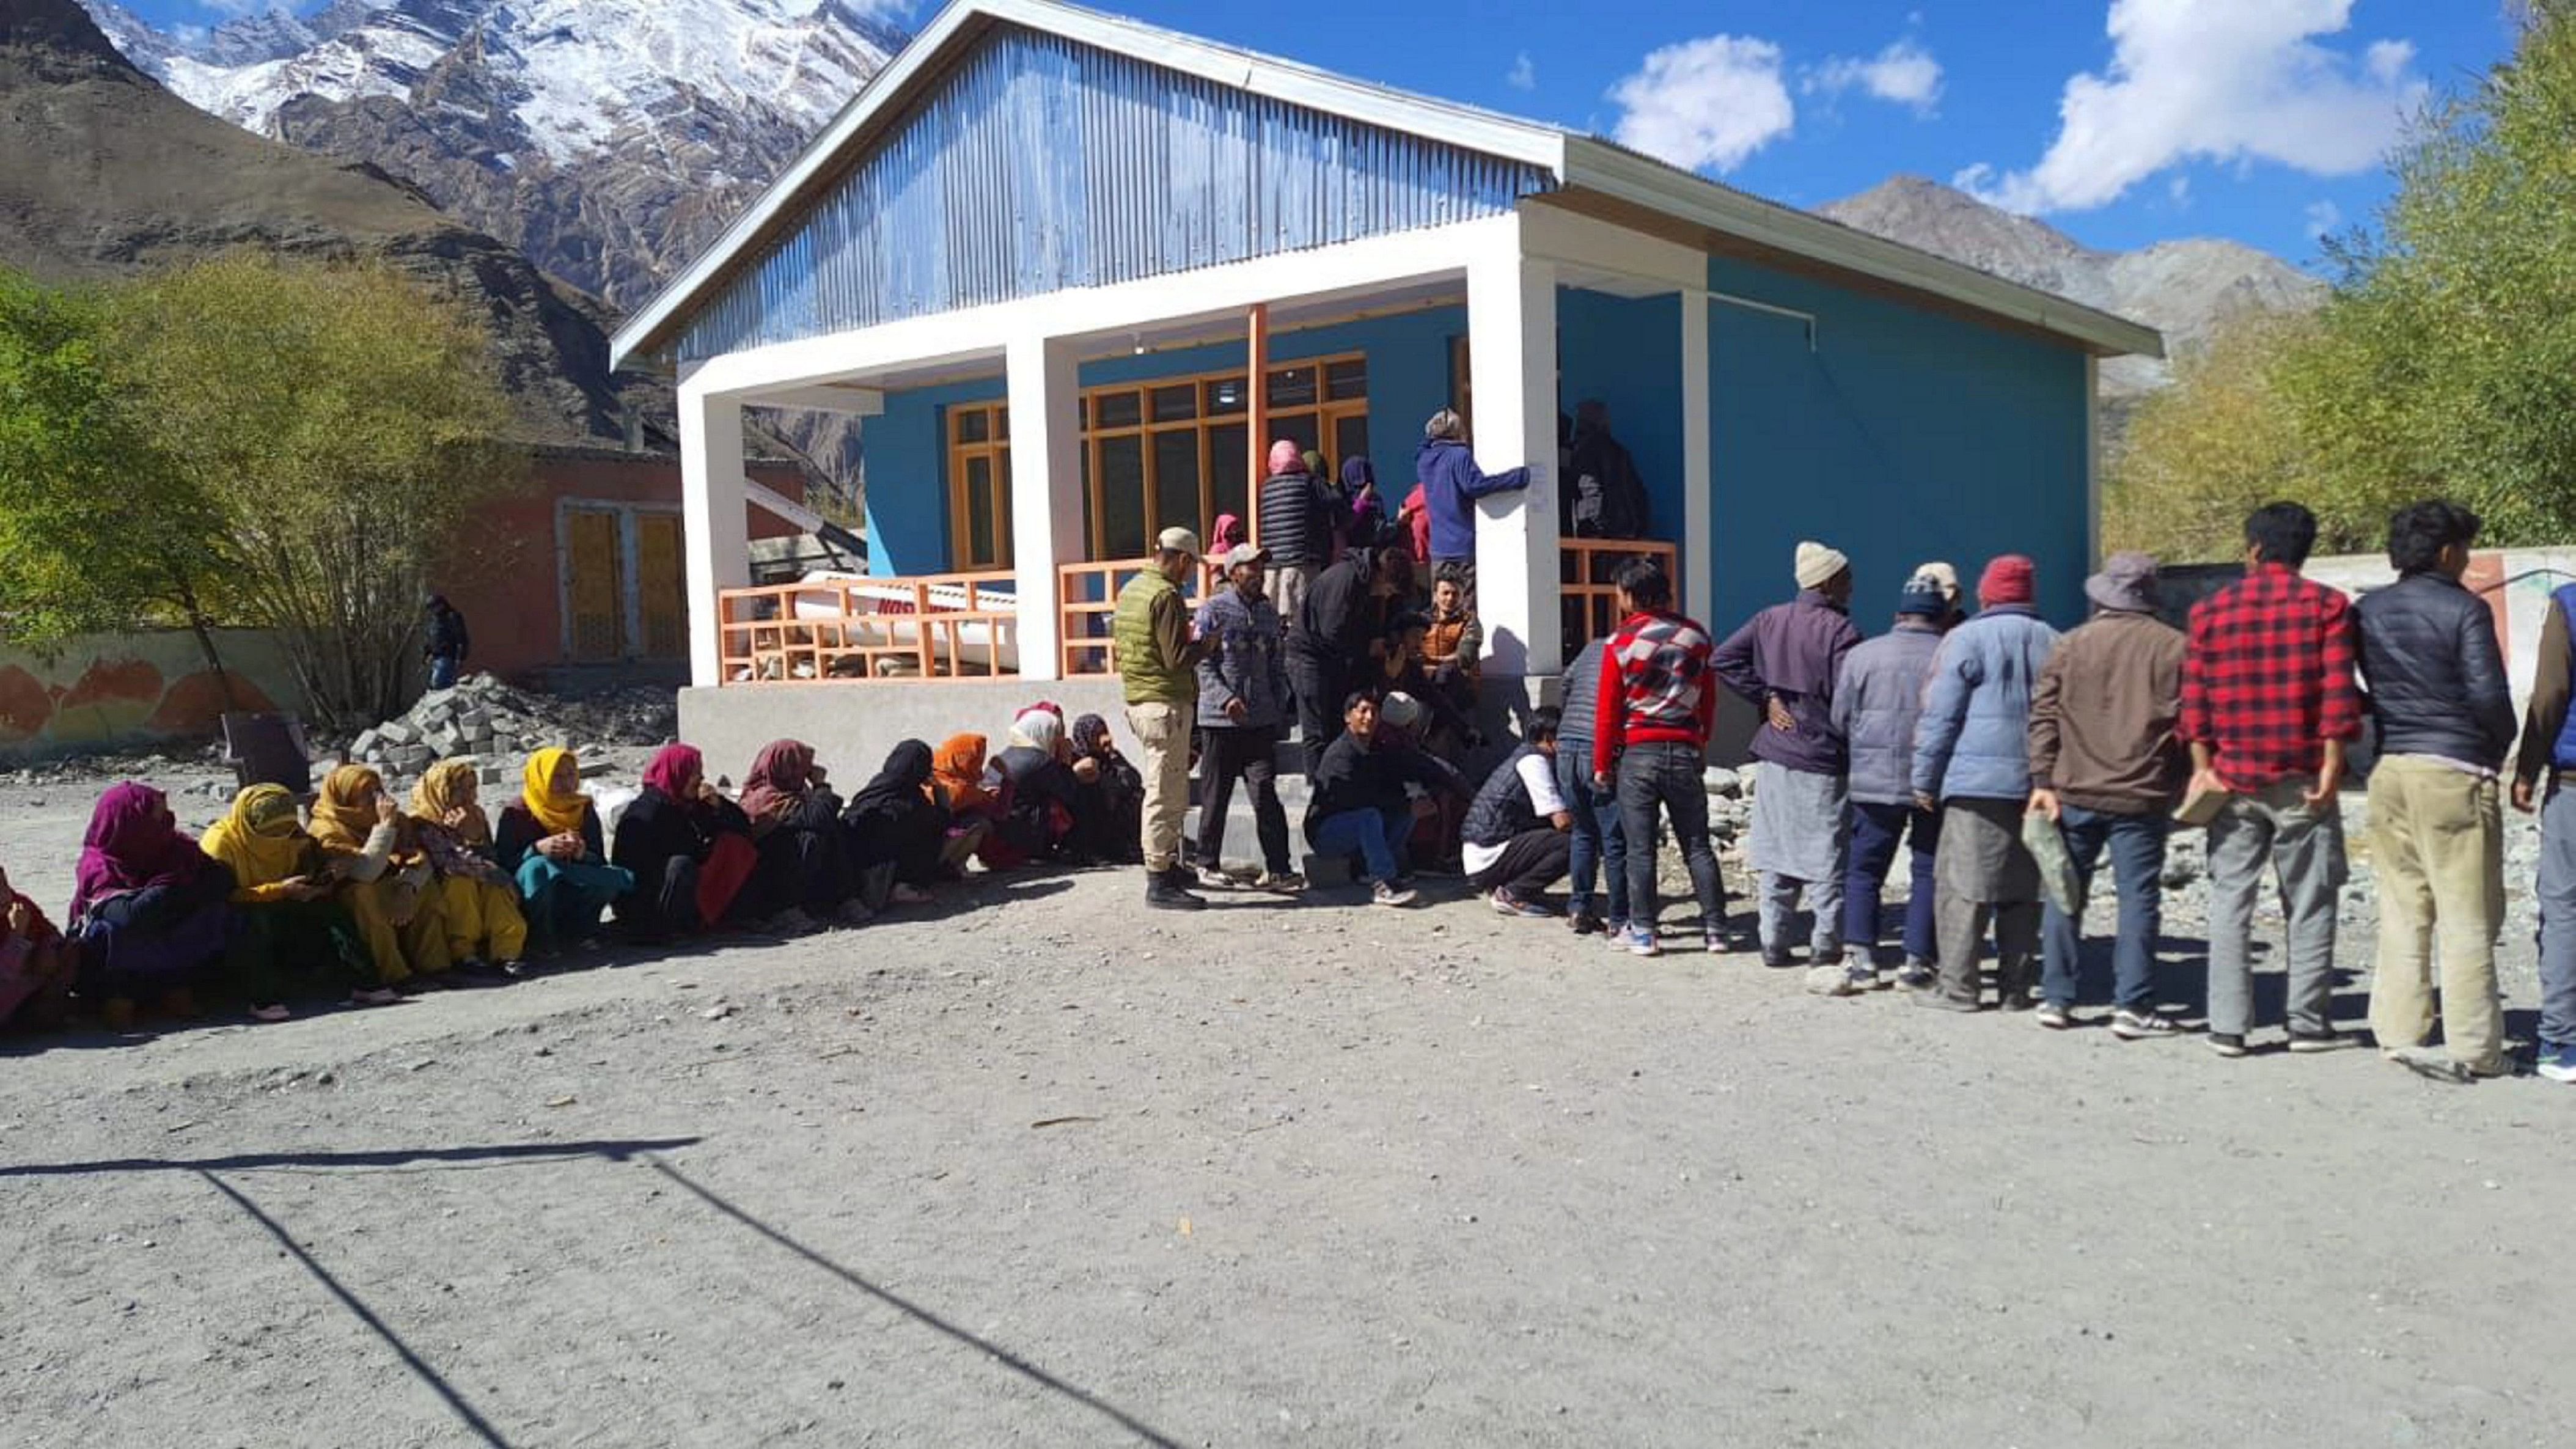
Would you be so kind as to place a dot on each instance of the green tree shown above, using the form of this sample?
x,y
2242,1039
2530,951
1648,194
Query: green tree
x,y
99,531
2220,442
348,423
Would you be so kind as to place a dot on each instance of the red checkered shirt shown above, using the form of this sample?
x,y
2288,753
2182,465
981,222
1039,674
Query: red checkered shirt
x,y
2268,678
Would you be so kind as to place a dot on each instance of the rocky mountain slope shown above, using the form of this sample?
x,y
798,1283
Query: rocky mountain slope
x,y
103,172
2185,289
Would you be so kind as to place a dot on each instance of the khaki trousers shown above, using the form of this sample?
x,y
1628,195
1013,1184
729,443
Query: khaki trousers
x,y
2437,840
1164,732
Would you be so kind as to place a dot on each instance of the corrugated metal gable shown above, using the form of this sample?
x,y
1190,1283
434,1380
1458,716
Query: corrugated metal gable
x,y
1042,163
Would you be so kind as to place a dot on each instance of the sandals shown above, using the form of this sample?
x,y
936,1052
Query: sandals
x,y
374,996
274,1011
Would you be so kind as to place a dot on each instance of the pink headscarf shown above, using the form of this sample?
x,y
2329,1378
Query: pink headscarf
x,y
782,772
1286,457
132,844
673,769
1229,532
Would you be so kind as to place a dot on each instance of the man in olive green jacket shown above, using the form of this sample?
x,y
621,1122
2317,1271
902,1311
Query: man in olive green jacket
x,y
1158,663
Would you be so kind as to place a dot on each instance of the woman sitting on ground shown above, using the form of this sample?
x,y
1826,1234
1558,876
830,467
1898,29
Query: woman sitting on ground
x,y
1108,797
384,879
895,822
1037,788
486,932
151,914
957,779
293,918
804,867
549,841
35,965
688,847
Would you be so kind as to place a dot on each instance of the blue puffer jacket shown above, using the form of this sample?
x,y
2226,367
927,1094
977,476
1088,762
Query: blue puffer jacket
x,y
1973,741
1877,700
1451,484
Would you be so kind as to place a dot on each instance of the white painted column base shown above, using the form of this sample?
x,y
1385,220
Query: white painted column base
x,y
718,539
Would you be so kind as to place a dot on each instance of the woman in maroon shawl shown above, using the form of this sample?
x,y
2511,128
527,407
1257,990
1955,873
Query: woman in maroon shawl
x,y
150,911
688,847
804,871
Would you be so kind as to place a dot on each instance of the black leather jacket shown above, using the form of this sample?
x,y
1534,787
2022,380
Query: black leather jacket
x,y
2435,674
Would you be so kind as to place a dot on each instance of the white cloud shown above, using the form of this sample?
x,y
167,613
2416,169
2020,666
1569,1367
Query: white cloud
x,y
2324,218
2223,80
1524,73
1705,104
236,9
1903,74
2179,190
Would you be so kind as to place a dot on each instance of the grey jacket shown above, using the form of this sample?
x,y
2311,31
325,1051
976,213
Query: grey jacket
x,y
1973,741
1877,698
1241,660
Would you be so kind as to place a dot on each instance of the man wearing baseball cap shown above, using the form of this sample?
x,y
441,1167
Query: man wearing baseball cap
x,y
1158,666
1243,707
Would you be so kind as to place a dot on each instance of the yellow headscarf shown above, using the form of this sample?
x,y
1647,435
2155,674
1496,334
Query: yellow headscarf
x,y
447,785
344,815
259,840
551,789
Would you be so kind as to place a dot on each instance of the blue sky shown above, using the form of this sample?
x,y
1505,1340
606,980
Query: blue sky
x,y
2120,121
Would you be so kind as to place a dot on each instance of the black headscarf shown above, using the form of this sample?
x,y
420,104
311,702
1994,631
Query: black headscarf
x,y
907,770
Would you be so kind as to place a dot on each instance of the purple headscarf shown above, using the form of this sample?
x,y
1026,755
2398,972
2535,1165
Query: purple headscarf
x,y
132,844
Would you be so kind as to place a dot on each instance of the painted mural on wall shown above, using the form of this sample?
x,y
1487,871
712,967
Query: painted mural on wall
x,y
133,689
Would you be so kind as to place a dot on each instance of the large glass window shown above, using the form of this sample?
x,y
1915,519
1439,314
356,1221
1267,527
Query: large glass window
x,y
979,474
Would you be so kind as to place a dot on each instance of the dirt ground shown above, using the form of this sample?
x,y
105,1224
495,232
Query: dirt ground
x,y
1042,1168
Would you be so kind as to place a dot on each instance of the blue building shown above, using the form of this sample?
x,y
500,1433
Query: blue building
x,y
1047,253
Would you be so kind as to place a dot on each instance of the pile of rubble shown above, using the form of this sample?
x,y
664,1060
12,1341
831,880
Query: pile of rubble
x,y
484,717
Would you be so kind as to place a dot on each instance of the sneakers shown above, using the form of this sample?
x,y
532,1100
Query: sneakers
x,y
2129,1024
1777,958
2054,1016
2227,1043
1638,941
2320,1041
1937,999
1838,981
2558,1064
1162,893
2429,1064
1507,904
1584,923
1279,882
1213,879
1388,893
1614,934
1917,975
1716,943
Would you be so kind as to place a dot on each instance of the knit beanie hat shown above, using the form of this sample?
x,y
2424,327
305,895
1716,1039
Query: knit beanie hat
x,y
1943,575
2010,579
1816,564
1924,598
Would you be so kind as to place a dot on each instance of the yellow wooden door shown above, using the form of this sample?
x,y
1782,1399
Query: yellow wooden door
x,y
662,583
596,586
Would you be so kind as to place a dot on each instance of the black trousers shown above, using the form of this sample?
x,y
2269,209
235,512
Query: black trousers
x,y
1249,752
664,906
1317,683
1531,862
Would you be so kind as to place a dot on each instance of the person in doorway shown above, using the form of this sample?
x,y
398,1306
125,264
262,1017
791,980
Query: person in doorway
x,y
448,643
2268,706
486,934
1108,797
1972,763
150,915
1784,662
1298,512
384,878
1657,697
294,925
549,842
1604,496
1878,700
2435,678
2106,767
2544,780
1518,837
1158,671
689,849
1242,704
1596,845
1336,645
1358,805
1451,484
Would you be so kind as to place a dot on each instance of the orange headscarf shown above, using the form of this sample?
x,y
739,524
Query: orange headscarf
x,y
958,770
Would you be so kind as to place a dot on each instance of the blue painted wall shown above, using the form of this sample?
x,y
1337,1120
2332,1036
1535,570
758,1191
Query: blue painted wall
x,y
1906,436
907,503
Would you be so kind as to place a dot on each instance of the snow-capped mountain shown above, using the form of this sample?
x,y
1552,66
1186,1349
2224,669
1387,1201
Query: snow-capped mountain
x,y
609,139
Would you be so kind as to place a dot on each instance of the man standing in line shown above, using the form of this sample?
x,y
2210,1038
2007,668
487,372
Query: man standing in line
x,y
1451,484
2544,779
1296,513
2437,690
2104,765
1650,735
2268,703
1783,662
1596,847
1972,762
1158,667
1878,699
1243,700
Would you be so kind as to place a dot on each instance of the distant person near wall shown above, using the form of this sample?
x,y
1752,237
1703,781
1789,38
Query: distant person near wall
x,y
449,643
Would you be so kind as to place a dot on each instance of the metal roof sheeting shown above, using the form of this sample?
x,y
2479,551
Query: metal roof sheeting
x,y
1042,163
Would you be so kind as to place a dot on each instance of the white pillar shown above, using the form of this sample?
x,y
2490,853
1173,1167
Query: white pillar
x,y
1699,465
711,505
1046,491
1511,345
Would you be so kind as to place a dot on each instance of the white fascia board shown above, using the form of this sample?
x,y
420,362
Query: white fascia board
x,y
1593,166
857,402
1350,269
1576,242
1461,126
